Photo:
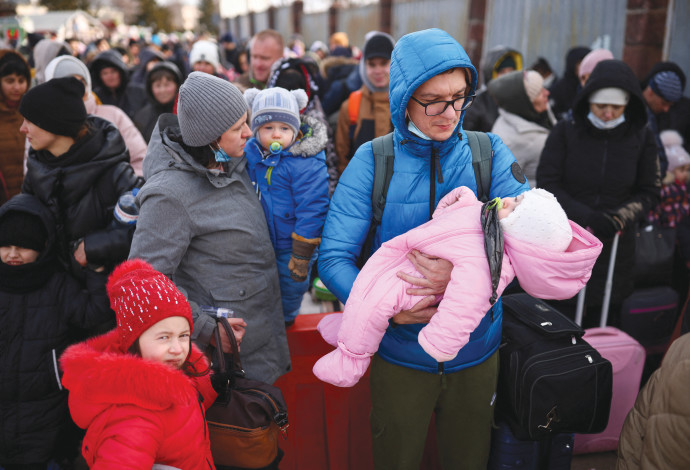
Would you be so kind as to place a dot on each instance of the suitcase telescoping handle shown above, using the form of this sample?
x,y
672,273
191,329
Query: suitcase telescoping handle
x,y
607,290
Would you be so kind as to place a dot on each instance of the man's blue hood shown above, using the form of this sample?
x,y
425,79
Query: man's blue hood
x,y
416,58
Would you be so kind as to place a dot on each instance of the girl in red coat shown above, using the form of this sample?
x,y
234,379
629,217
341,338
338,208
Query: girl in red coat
x,y
140,391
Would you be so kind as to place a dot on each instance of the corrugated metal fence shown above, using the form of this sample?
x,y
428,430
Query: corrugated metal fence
x,y
679,39
548,28
537,28
449,15
315,27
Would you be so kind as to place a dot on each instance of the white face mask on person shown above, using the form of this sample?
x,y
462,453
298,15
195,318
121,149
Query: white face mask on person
x,y
415,130
605,125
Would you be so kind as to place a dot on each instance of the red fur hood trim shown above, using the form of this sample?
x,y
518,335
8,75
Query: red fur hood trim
x,y
97,373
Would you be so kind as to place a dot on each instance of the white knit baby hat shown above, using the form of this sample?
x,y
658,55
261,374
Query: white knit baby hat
x,y
540,220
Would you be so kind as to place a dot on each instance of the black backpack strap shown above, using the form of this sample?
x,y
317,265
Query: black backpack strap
x,y
482,159
384,157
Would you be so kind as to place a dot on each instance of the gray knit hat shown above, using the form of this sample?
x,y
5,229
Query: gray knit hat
x,y
66,66
207,107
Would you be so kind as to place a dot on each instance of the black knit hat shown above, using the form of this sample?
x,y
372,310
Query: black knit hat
x,y
12,62
379,45
24,230
56,106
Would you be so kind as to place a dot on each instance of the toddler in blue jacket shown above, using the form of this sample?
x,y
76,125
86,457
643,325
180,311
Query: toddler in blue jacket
x,y
287,165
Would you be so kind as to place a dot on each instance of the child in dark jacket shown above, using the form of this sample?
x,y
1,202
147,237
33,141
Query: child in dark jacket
x,y
287,164
42,310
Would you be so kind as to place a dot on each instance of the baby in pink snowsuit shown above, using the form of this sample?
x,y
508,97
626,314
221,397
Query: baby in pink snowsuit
x,y
551,256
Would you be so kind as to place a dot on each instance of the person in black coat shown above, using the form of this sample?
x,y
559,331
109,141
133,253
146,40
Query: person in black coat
x,y
602,166
667,108
162,85
78,166
482,115
148,58
564,90
111,83
42,310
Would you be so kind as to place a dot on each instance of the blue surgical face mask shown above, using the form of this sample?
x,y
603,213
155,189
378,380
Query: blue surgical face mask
x,y
415,130
221,156
605,125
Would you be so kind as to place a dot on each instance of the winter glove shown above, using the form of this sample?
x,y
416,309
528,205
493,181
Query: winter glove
x,y
302,249
603,225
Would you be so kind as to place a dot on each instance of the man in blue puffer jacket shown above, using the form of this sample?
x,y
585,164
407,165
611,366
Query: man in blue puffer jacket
x,y
431,80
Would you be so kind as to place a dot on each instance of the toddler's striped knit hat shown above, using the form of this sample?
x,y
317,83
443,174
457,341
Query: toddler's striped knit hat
x,y
276,105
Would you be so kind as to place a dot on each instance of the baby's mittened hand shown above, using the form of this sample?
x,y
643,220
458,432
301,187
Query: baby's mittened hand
x,y
329,327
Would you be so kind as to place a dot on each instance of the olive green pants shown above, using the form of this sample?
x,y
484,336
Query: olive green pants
x,y
404,400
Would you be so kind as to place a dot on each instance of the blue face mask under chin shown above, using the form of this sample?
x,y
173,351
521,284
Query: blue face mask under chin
x,y
221,156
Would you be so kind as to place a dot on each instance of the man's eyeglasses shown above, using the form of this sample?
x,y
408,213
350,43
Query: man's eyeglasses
x,y
438,107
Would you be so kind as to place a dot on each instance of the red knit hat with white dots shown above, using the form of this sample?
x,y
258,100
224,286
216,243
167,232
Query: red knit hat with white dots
x,y
141,297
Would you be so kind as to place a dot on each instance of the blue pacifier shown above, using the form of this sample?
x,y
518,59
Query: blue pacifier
x,y
275,147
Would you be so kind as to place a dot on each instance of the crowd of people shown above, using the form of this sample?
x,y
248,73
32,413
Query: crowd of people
x,y
145,187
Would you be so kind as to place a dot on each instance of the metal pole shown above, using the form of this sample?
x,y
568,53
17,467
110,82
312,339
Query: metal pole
x,y
609,283
580,305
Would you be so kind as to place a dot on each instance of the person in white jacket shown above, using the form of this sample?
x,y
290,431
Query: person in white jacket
x,y
69,66
524,117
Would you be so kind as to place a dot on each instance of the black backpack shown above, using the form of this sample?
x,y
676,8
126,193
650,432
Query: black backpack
x,y
384,157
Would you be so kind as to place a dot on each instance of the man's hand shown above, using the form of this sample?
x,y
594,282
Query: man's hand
x,y
421,312
436,272
238,328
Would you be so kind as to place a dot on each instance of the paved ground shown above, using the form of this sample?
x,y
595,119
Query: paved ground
x,y
601,461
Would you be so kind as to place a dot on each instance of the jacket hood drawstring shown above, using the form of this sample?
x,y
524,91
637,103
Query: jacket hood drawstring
x,y
435,173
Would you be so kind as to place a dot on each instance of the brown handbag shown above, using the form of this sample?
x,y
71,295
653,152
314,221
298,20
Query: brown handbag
x,y
247,417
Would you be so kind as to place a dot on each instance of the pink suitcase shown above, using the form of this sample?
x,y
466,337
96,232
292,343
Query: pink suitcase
x,y
627,357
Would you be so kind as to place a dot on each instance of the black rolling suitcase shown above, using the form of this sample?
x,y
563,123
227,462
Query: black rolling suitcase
x,y
649,315
508,452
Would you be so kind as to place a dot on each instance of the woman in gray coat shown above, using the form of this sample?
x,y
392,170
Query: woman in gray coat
x,y
202,224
